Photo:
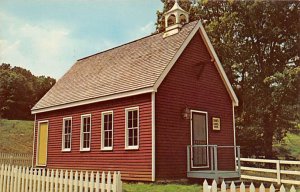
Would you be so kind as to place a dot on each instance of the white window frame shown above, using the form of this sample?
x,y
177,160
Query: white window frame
x,y
103,148
63,148
127,147
81,132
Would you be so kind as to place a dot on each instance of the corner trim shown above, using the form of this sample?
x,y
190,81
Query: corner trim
x,y
234,132
153,134
33,149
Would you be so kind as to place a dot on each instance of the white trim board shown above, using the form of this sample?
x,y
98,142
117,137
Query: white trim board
x,y
95,100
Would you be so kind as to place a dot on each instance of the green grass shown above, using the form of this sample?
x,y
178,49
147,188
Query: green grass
x,y
141,187
290,146
16,136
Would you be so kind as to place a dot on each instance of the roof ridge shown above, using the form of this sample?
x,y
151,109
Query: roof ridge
x,y
118,46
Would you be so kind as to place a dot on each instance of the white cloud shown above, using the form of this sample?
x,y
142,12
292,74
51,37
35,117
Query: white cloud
x,y
45,49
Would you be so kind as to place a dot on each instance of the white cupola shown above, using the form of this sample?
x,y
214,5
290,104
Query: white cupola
x,y
175,18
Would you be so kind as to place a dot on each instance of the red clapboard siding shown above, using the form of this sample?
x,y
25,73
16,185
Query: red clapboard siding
x,y
133,164
183,88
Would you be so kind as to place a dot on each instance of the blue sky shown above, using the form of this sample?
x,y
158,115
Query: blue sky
x,y
48,36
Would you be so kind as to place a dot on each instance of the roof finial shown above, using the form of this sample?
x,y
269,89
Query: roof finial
x,y
175,18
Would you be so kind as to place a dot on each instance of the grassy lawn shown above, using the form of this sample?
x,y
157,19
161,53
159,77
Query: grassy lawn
x,y
16,136
290,146
140,187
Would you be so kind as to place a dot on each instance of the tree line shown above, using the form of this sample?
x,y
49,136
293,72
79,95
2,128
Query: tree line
x,y
258,45
20,90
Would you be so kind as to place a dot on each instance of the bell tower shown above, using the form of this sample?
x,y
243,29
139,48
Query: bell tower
x,y
175,18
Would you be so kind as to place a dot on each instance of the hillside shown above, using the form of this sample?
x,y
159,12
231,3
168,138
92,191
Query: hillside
x,y
16,136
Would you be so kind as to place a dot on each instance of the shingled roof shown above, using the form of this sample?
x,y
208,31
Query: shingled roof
x,y
129,69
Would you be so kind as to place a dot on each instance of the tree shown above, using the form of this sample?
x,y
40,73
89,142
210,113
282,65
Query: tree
x,y
19,91
258,45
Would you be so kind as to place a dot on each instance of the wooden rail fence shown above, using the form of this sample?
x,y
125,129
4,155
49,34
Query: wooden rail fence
x,y
278,172
25,179
16,159
242,188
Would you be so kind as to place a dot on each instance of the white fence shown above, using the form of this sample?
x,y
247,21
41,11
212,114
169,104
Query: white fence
x,y
242,188
278,172
16,159
24,179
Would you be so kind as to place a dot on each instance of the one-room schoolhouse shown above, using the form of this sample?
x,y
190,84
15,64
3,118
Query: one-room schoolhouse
x,y
157,108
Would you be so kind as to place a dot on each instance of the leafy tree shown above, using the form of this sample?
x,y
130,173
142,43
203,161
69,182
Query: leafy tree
x,y
258,44
19,91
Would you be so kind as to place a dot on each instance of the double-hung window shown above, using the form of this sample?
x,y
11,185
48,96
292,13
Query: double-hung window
x,y
85,136
107,130
132,128
67,134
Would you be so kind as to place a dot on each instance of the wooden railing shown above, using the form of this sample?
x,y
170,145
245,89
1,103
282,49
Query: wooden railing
x,y
277,172
25,179
211,155
16,159
243,188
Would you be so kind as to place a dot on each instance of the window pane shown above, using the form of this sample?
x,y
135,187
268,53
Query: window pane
x,y
135,122
129,115
110,142
130,137
129,121
135,113
110,125
135,141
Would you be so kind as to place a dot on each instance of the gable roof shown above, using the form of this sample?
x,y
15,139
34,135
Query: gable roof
x,y
134,68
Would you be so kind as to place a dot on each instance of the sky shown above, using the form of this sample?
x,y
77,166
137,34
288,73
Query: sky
x,y
48,36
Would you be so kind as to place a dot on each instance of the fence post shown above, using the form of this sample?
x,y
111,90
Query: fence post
x,y
278,172
216,158
239,159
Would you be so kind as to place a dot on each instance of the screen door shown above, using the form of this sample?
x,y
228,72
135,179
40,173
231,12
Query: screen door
x,y
199,137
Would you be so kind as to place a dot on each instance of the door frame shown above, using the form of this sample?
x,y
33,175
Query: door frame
x,y
37,144
191,127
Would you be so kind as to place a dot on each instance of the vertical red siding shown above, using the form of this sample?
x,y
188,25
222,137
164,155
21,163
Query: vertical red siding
x,y
133,164
185,86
